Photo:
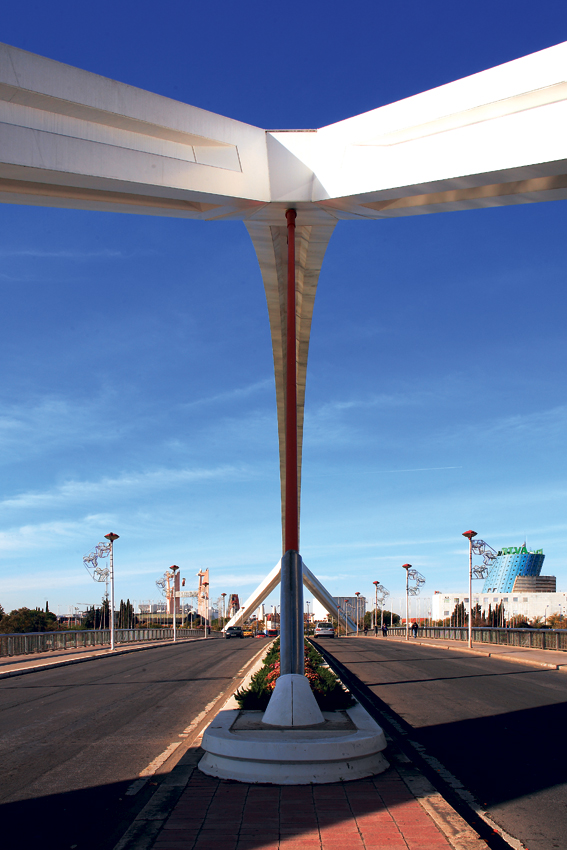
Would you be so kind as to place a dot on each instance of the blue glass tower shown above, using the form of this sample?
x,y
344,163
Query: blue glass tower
x,y
508,565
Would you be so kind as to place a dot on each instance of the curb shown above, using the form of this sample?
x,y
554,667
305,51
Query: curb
x,y
504,656
457,807
144,829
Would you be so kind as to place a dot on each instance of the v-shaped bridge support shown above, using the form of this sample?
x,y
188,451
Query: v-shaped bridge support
x,y
270,583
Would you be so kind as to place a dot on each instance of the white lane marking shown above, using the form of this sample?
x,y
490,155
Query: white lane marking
x,y
154,765
157,762
202,714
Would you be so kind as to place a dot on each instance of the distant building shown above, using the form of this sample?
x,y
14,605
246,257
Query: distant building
x,y
515,604
517,570
233,604
348,605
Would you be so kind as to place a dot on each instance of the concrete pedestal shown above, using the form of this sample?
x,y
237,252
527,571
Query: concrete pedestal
x,y
292,703
346,745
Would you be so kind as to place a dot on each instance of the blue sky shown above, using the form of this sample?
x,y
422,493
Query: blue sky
x,y
137,385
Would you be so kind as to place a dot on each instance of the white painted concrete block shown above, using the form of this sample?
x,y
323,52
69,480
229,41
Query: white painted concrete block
x,y
292,703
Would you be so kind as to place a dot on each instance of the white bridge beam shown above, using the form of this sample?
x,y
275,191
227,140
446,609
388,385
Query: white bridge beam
x,y
269,584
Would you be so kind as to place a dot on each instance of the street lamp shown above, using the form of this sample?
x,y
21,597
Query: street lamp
x,y
111,538
174,569
223,610
308,603
407,568
470,535
376,583
357,594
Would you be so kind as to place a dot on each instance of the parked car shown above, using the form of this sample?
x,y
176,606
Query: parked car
x,y
324,629
234,631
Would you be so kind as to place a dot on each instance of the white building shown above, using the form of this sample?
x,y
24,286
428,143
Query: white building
x,y
528,605
348,604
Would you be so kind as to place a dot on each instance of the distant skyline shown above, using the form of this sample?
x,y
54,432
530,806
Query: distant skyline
x,y
137,393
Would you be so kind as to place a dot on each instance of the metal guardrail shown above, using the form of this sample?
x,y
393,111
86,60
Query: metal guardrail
x,y
36,642
528,638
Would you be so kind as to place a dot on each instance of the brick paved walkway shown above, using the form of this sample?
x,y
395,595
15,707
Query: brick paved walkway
x,y
372,814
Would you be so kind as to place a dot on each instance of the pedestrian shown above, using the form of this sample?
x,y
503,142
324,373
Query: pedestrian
x,y
414,628
375,629
384,630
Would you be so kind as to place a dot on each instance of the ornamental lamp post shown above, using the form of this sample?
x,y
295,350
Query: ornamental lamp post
x,y
174,569
111,537
470,535
376,583
407,568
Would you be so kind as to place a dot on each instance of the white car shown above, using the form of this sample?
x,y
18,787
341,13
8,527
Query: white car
x,y
324,630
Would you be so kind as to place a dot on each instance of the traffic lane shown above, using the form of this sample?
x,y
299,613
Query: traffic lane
x,y
429,686
104,721
497,726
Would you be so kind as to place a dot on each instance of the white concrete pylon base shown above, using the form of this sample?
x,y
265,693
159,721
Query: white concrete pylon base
x,y
239,746
292,703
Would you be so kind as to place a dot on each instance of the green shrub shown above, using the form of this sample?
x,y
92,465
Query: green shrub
x,y
328,691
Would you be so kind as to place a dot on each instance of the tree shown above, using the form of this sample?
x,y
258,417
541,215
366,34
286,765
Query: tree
x,y
390,618
557,621
478,618
126,615
97,618
495,615
459,616
105,613
25,620
518,622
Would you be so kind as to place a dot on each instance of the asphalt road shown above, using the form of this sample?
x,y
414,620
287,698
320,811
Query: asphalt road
x,y
499,727
72,740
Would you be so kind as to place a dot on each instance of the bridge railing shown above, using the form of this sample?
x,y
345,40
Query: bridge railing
x,y
530,638
36,642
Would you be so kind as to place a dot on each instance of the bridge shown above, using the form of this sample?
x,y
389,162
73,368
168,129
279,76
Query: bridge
x,y
119,734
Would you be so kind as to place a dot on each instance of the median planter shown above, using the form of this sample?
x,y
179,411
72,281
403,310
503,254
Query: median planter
x,y
327,689
347,744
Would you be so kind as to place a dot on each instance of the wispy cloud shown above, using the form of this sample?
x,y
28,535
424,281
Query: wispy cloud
x,y
356,472
28,428
17,278
549,424
237,579
319,548
236,393
63,254
379,400
50,534
340,421
73,492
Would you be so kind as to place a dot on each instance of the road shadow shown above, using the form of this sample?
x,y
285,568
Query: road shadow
x,y
92,818
205,812
499,756
505,756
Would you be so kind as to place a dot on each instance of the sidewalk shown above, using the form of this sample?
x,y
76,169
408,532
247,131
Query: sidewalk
x,y
549,658
398,810
17,665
